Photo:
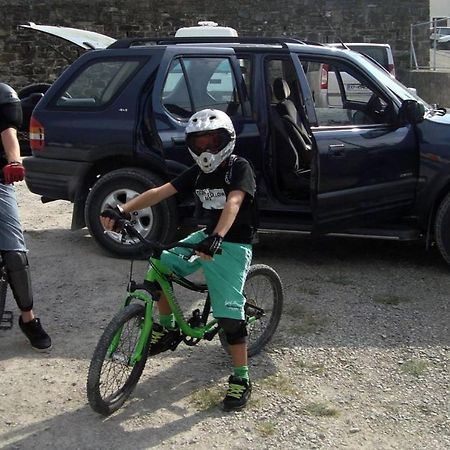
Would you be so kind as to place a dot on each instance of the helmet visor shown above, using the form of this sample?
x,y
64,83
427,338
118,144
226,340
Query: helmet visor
x,y
208,141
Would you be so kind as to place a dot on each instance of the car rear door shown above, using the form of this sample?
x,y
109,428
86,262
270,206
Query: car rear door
x,y
195,78
365,163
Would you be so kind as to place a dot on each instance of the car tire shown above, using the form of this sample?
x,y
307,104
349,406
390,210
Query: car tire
x,y
158,222
442,228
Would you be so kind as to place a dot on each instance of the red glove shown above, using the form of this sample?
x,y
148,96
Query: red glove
x,y
14,171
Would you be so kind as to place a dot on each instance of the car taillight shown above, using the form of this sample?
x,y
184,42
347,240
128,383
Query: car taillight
x,y
37,136
391,69
324,76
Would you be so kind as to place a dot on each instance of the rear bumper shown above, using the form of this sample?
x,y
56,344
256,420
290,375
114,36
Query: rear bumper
x,y
55,179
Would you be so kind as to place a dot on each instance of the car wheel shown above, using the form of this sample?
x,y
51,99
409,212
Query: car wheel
x,y
442,228
158,222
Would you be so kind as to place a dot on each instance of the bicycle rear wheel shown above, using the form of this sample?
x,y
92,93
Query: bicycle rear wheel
x,y
111,378
264,299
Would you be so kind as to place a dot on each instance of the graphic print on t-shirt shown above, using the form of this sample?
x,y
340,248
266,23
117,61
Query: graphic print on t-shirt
x,y
212,198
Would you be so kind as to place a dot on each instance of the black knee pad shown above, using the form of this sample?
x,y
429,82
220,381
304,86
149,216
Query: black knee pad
x,y
235,330
19,278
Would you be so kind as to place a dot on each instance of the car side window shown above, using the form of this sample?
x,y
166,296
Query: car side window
x,y
97,84
193,84
342,97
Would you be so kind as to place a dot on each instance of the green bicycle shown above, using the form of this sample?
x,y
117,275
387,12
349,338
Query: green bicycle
x,y
121,353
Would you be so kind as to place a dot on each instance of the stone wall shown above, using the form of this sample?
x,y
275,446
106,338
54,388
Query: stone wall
x,y
431,85
28,57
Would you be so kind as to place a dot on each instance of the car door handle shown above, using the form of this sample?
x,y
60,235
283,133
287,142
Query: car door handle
x,y
336,150
179,141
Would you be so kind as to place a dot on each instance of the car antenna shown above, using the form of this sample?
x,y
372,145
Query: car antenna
x,y
343,45
330,25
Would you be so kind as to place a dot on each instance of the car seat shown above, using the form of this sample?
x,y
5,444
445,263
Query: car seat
x,y
292,142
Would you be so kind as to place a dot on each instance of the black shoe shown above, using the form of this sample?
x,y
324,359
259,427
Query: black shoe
x,y
162,339
37,336
238,394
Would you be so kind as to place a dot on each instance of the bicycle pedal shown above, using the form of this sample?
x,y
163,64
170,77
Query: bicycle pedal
x,y
176,343
7,320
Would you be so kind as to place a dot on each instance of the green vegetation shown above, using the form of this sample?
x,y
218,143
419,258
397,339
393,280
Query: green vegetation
x,y
281,385
267,428
342,280
414,367
207,398
320,409
390,299
309,323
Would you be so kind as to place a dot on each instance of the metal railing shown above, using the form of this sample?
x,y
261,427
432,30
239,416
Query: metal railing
x,y
430,45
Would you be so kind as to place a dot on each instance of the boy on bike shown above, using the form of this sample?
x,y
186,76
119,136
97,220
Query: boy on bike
x,y
225,186
12,243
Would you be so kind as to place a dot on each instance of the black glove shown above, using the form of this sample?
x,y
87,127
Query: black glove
x,y
116,214
210,245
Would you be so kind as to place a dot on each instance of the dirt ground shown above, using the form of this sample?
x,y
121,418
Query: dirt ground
x,y
360,360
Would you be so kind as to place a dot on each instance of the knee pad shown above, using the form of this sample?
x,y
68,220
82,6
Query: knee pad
x,y
19,278
235,330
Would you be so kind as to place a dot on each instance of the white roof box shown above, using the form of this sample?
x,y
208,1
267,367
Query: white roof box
x,y
205,28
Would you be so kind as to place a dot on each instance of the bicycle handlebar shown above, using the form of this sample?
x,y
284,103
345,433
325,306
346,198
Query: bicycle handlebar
x,y
128,227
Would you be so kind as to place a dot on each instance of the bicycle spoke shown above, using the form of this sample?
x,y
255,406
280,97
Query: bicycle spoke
x,y
112,377
116,369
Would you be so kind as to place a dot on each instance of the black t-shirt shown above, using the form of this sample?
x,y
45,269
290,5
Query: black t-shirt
x,y
10,117
212,189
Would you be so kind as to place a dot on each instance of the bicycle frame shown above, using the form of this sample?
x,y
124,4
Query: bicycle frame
x,y
148,292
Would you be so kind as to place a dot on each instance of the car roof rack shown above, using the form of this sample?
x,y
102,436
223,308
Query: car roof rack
x,y
130,42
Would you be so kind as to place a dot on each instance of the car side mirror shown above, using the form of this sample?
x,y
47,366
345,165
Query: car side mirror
x,y
411,112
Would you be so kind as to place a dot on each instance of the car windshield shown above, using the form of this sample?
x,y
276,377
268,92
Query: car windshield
x,y
397,88
444,31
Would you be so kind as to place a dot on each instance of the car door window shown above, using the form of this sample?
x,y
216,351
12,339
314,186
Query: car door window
x,y
193,84
343,97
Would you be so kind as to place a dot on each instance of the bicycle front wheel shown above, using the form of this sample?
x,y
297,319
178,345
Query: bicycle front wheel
x,y
111,377
264,303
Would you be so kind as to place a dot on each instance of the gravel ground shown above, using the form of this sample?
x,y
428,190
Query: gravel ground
x,y
360,360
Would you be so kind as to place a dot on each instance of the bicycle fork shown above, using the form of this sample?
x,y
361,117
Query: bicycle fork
x,y
146,326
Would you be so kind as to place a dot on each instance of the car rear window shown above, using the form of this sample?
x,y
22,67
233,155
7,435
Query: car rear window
x,y
379,54
97,84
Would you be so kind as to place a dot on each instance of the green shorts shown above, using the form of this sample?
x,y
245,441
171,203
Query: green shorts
x,y
225,274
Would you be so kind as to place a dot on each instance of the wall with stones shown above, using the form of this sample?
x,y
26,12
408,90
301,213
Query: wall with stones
x,y
28,57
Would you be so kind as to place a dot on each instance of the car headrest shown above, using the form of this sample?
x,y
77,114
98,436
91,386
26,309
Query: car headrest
x,y
281,89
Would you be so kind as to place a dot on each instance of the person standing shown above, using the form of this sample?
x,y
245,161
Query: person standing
x,y
12,242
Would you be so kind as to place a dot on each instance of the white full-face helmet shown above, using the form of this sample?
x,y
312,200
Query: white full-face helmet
x,y
210,138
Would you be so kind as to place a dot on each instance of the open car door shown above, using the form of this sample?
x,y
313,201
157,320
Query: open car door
x,y
365,164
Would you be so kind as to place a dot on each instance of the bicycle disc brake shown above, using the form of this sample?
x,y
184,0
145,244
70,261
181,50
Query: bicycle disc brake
x,y
194,321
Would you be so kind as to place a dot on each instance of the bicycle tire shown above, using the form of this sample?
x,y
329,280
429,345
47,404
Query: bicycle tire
x,y
101,398
261,279
3,290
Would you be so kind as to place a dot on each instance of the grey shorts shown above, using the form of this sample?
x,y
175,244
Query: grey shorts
x,y
11,236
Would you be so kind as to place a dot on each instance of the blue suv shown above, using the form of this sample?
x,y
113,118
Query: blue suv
x,y
113,125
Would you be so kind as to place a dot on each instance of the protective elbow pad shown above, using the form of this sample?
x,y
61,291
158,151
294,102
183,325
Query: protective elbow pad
x,y
235,330
11,116
19,278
